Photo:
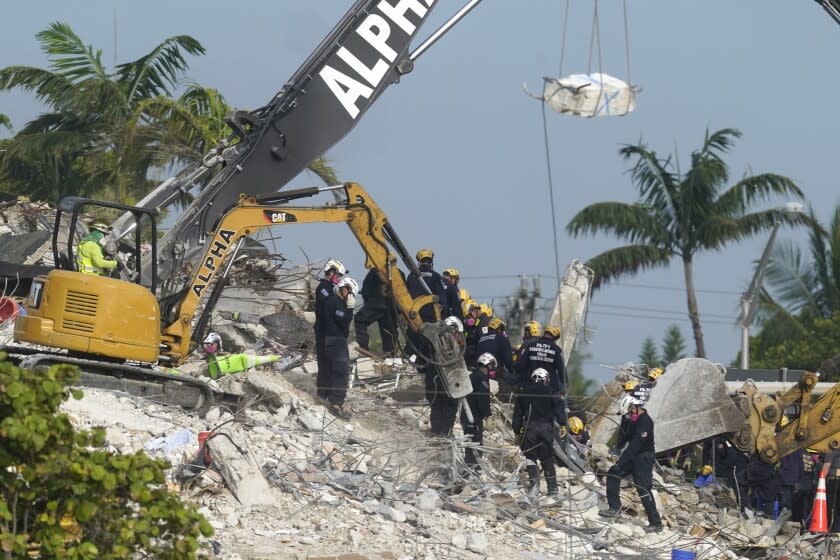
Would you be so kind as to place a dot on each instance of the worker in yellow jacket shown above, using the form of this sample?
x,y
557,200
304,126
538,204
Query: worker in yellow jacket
x,y
90,259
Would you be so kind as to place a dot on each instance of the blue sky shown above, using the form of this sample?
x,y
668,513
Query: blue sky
x,y
454,153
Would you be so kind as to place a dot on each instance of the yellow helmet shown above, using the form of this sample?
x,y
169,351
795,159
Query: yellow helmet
x,y
784,421
464,294
469,304
654,373
552,331
486,310
575,425
630,384
495,323
425,254
531,328
452,272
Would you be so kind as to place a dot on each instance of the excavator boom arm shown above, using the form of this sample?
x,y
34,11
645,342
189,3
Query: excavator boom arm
x,y
362,215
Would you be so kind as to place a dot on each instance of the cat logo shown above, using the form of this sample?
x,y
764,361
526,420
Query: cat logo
x,y
278,217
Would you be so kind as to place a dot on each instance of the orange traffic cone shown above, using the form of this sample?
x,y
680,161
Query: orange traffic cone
x,y
819,515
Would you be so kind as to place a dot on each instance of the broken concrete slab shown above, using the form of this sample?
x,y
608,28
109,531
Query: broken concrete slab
x,y
242,476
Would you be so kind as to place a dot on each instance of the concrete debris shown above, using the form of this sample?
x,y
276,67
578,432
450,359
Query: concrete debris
x,y
289,480
241,474
286,479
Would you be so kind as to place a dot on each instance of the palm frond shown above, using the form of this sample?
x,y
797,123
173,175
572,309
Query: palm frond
x,y
657,185
753,189
719,141
324,171
790,279
5,122
154,73
49,87
632,222
627,261
69,56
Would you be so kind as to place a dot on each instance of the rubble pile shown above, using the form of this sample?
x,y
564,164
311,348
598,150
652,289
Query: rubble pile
x,y
288,480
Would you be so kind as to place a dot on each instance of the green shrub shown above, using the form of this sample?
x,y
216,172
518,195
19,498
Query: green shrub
x,y
63,496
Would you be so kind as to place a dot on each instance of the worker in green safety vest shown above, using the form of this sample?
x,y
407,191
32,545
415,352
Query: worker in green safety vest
x,y
220,365
90,259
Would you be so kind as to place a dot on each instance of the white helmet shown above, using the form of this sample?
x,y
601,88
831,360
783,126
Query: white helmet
x,y
210,340
540,375
347,282
487,359
336,265
453,321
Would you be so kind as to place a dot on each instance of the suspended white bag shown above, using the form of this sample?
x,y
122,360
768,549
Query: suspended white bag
x,y
589,95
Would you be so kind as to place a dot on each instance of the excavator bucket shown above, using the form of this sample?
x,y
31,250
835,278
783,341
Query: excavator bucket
x,y
690,403
449,357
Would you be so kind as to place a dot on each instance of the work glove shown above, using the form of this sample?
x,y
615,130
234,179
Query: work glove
x,y
121,266
351,300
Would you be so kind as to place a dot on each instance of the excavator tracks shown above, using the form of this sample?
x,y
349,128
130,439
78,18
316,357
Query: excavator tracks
x,y
144,382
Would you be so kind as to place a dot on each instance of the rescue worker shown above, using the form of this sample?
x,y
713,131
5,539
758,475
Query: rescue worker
x,y
536,415
722,460
578,430
628,387
654,374
479,402
472,332
544,353
89,257
377,308
484,315
451,277
432,280
464,297
637,460
497,344
220,363
333,271
338,313
763,485
530,333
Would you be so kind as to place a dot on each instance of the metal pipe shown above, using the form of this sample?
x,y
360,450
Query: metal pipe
x,y
441,31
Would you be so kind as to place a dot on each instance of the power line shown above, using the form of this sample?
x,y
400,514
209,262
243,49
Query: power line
x,y
632,308
616,284
674,319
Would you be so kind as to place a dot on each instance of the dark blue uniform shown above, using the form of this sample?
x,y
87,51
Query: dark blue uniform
x,y
322,292
544,353
479,401
435,284
453,302
498,345
534,414
637,460
378,308
337,318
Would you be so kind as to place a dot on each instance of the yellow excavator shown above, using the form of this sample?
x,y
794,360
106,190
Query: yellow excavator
x,y
690,402
122,336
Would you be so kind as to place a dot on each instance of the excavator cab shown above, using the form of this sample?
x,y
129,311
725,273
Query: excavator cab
x,y
91,314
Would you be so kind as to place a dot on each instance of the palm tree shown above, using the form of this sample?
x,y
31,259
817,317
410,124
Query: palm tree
x,y
678,215
798,289
180,132
83,142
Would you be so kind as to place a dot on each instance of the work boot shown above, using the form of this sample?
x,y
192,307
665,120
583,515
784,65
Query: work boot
x,y
553,492
654,528
533,477
338,411
609,513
